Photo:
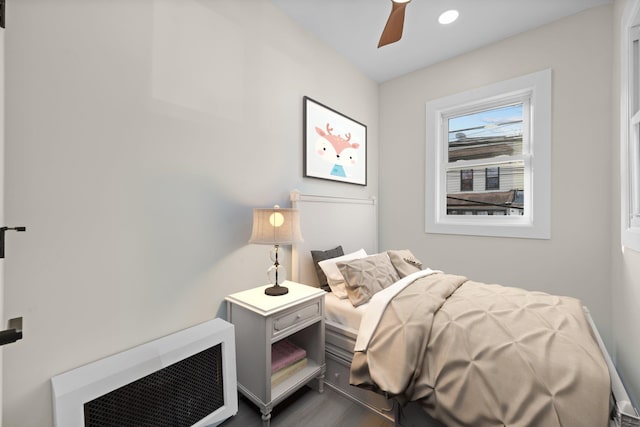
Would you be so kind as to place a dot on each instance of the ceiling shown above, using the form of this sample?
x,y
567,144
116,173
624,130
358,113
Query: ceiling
x,y
353,28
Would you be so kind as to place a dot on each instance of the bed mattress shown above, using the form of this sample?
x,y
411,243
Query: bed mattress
x,y
341,312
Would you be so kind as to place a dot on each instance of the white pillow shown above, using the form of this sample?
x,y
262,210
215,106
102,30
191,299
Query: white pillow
x,y
334,277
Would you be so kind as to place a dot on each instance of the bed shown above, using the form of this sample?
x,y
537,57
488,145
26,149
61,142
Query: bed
x,y
319,214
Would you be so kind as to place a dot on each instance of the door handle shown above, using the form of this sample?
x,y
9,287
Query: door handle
x,y
2,231
13,334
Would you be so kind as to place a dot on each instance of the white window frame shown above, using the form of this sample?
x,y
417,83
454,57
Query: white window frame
x,y
630,126
535,91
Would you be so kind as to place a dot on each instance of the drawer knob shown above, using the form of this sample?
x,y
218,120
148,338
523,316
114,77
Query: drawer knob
x,y
298,316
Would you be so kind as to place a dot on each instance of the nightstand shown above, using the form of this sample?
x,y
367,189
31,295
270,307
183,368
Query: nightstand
x,y
260,321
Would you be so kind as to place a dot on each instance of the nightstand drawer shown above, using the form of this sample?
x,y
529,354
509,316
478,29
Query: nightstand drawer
x,y
288,320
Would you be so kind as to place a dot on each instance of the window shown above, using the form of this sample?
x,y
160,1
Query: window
x,y
489,132
630,131
492,178
466,180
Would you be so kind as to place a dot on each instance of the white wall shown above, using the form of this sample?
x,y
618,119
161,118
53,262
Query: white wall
x,y
625,280
575,260
140,135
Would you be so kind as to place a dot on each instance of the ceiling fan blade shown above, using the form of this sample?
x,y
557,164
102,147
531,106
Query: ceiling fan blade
x,y
393,29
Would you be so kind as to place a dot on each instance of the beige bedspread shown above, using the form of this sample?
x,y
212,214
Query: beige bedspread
x,y
475,354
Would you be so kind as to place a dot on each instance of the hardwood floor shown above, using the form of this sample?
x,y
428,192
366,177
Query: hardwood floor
x,y
309,408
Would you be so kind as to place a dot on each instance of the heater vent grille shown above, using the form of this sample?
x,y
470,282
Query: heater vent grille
x,y
177,395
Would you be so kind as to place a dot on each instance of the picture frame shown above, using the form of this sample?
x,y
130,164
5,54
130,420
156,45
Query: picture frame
x,y
334,145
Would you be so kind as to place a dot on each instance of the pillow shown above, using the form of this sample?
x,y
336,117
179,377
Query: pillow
x,y
404,262
321,256
334,277
366,276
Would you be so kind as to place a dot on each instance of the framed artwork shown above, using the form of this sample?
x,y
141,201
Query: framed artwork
x,y
335,146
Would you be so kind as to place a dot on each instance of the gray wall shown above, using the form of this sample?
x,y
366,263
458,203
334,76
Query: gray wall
x,y
140,134
575,260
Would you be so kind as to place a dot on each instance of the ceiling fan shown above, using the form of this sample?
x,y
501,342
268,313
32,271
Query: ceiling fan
x,y
393,29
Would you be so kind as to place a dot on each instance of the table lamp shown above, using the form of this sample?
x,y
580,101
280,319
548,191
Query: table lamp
x,y
275,226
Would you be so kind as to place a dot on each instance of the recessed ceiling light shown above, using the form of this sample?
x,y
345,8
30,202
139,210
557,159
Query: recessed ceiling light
x,y
448,17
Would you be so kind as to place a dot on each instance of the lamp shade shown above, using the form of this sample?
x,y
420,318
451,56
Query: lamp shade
x,y
275,226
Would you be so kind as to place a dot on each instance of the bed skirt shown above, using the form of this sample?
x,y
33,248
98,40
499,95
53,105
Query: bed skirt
x,y
339,345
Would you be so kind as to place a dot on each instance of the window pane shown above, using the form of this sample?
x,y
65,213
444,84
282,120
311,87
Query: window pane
x,y
507,198
486,134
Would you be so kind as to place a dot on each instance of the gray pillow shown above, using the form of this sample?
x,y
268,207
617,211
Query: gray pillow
x,y
366,276
404,262
321,256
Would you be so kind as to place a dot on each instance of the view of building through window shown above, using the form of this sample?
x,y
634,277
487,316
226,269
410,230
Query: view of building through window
x,y
483,178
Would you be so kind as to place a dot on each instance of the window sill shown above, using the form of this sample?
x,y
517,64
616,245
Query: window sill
x,y
493,230
631,238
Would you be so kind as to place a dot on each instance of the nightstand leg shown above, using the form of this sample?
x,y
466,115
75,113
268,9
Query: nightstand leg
x,y
266,418
321,379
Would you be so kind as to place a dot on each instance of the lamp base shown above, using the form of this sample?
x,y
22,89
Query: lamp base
x,y
276,290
